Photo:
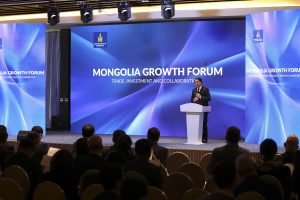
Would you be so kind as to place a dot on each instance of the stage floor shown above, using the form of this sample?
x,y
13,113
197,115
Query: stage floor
x,y
67,138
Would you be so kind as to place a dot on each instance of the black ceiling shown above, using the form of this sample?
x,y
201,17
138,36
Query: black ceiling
x,y
17,7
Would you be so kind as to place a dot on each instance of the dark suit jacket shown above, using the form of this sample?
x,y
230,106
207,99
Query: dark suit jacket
x,y
161,153
5,151
205,96
91,161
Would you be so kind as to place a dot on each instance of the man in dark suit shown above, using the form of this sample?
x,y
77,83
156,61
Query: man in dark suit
x,y
160,152
201,95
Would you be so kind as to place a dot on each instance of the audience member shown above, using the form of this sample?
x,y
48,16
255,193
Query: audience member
x,y
5,149
296,173
116,135
80,147
94,159
154,174
224,175
230,151
61,173
133,189
159,152
272,165
41,148
248,180
24,159
291,146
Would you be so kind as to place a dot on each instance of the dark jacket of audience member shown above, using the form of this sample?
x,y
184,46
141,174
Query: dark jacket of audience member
x,y
154,174
230,151
159,152
224,175
133,189
41,148
6,150
296,173
291,145
272,165
80,147
116,135
250,181
61,173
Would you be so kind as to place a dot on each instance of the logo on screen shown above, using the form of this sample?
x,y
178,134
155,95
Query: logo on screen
x,y
0,43
258,36
100,39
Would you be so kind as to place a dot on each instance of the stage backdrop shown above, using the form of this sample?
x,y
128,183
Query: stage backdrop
x,y
22,76
272,75
135,76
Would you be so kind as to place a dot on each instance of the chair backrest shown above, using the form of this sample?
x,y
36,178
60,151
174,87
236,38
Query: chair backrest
x,y
10,189
91,191
204,163
135,174
176,185
175,160
250,195
48,191
83,180
195,172
156,194
18,174
274,181
194,194
210,185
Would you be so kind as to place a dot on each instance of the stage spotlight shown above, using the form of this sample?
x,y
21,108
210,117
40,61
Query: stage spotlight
x,y
53,15
167,9
124,11
86,12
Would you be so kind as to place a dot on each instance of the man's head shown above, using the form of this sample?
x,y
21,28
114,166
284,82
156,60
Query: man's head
x,y
95,144
233,135
88,130
224,174
245,165
3,134
268,149
38,130
26,146
34,136
291,143
153,134
198,82
117,134
143,148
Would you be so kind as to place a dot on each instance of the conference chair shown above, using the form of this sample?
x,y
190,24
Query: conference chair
x,y
250,195
274,181
48,191
175,160
87,178
135,174
194,194
91,191
210,185
10,189
18,174
176,185
204,163
156,194
195,172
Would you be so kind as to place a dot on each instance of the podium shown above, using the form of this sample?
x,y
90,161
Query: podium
x,y
194,121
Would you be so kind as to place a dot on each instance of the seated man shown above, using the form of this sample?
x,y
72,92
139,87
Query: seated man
x,y
5,149
160,152
80,147
291,146
230,151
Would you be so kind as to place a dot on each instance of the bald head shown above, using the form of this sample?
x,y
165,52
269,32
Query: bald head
x,y
291,143
95,144
245,165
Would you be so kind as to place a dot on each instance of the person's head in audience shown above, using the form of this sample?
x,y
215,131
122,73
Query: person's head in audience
x,y
116,135
88,130
26,146
143,149
268,149
62,160
224,175
3,134
133,189
124,143
95,144
245,166
291,143
34,136
38,130
153,134
111,177
233,135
